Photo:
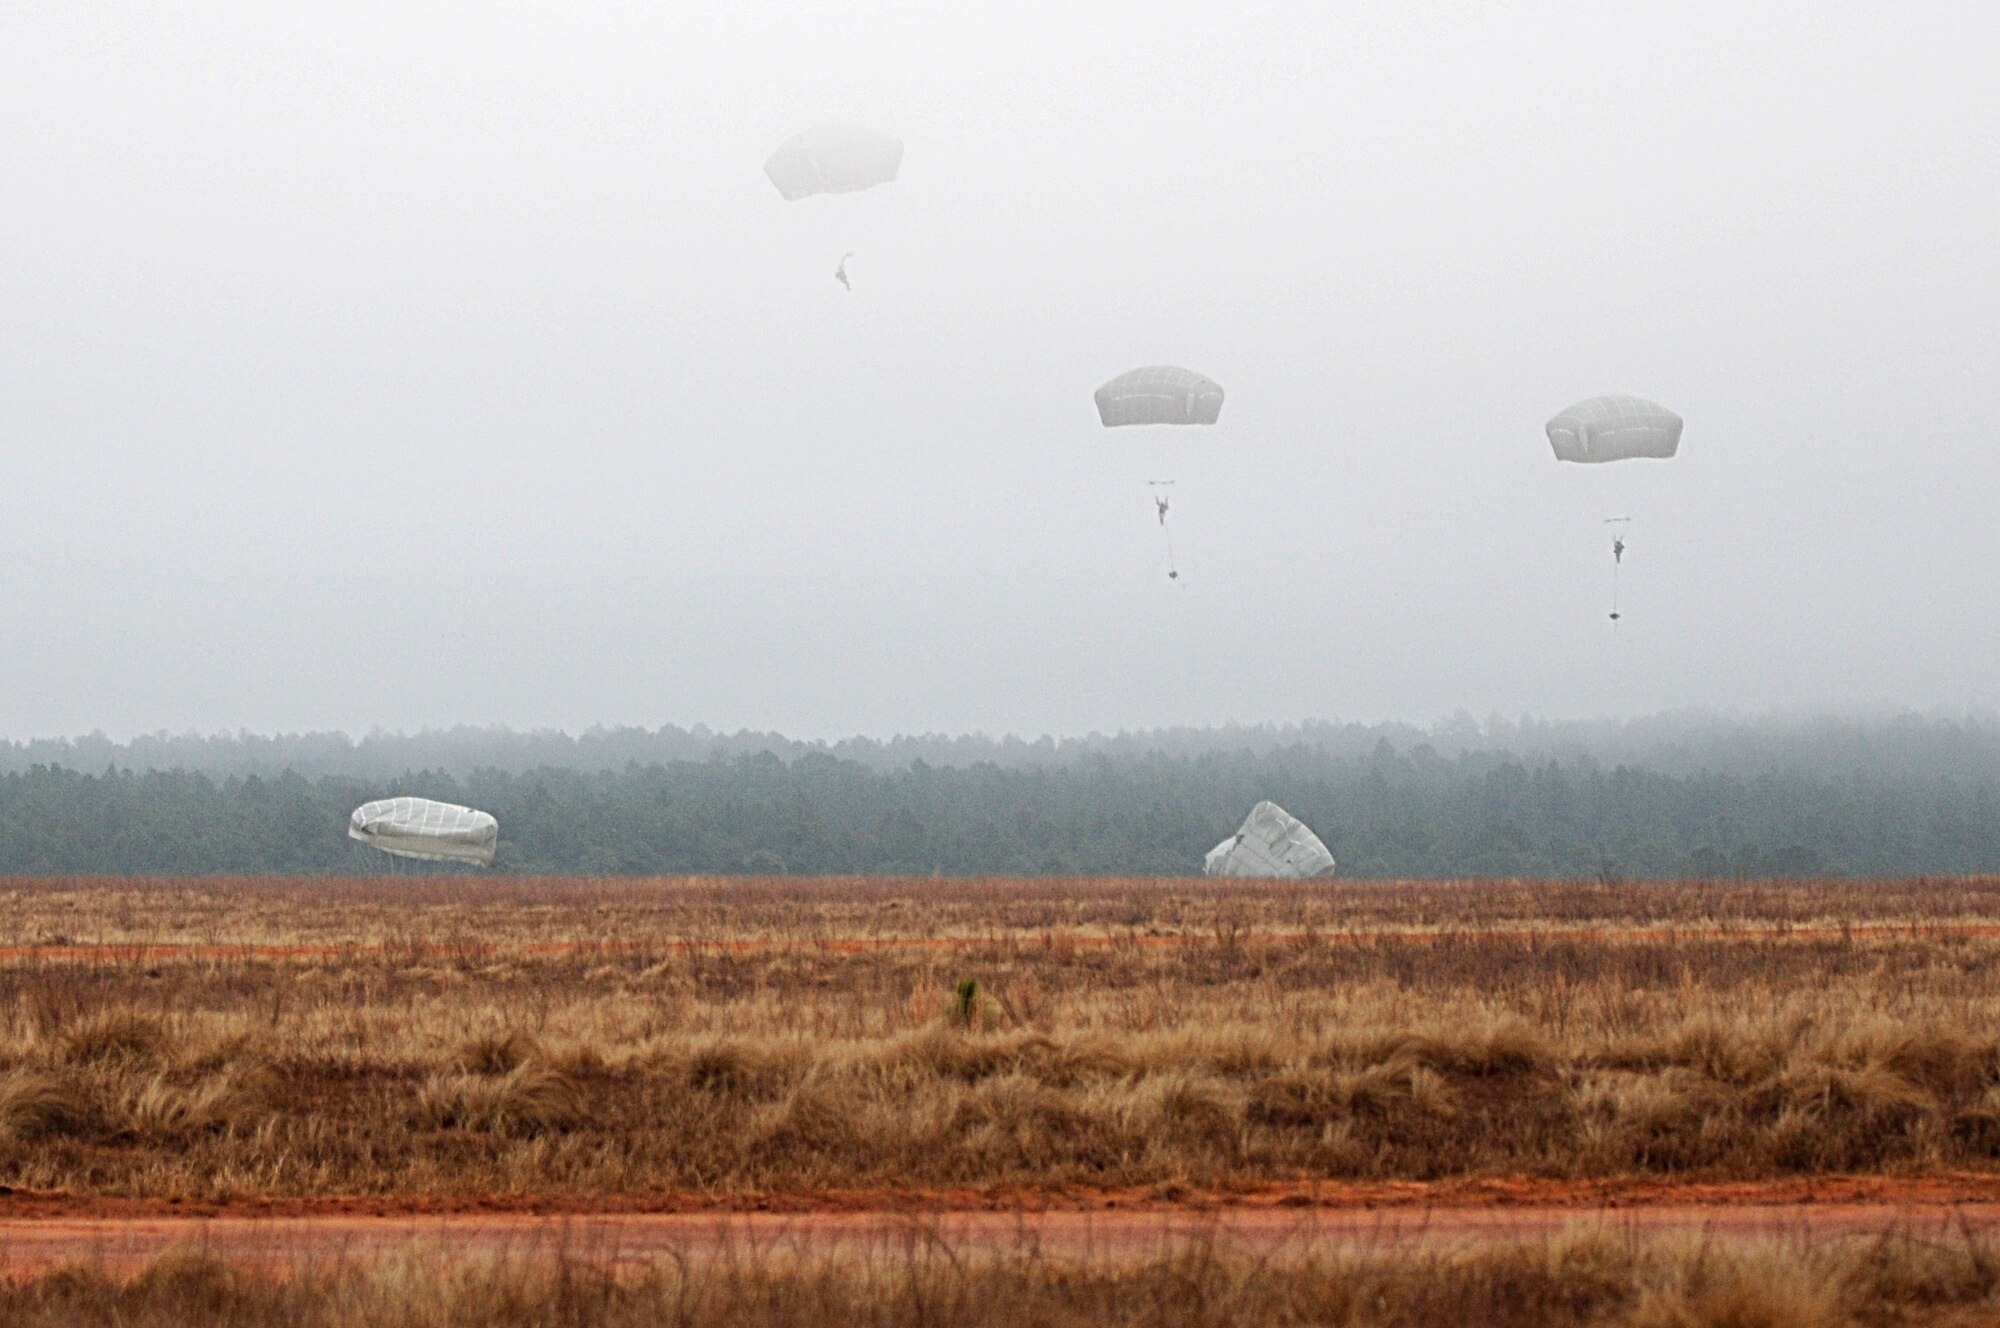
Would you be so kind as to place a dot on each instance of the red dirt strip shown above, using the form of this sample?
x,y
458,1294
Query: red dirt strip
x,y
170,952
43,1231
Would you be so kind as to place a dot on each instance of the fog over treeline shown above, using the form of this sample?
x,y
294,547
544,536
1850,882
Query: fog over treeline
x,y
1668,796
1889,746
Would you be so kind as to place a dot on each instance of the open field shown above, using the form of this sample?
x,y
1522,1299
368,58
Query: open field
x,y
500,1101
426,1040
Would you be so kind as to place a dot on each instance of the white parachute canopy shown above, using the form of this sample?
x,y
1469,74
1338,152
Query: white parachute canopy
x,y
1159,394
834,159
1614,428
420,828
1272,842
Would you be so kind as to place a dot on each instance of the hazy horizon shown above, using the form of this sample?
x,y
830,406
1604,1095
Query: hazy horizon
x,y
1458,719
416,366
1844,744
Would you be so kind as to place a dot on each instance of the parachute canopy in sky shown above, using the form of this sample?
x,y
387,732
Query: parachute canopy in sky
x,y
834,159
1159,394
420,828
1614,428
1272,842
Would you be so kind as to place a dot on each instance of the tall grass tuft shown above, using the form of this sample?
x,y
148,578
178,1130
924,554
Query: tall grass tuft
x,y
528,1101
35,1107
496,1053
113,1036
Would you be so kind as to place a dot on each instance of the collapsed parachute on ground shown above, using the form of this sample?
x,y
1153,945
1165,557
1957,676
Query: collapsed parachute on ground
x,y
1159,394
1614,428
420,828
834,159
1272,842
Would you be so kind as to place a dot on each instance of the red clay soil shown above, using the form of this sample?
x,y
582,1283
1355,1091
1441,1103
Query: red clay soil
x,y
180,952
38,1232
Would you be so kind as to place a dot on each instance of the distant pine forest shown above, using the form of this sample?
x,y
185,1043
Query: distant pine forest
x,y
1665,797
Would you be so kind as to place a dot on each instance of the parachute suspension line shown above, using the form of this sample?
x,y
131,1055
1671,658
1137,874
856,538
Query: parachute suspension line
x,y
1161,506
1617,561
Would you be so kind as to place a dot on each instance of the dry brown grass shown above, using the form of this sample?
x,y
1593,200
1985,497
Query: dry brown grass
x,y
454,1058
1567,1281
469,915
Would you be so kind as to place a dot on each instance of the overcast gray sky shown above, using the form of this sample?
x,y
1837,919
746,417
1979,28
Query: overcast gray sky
x,y
415,364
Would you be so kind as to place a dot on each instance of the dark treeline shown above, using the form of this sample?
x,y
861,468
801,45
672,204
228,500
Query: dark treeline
x,y
1385,811
1891,748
